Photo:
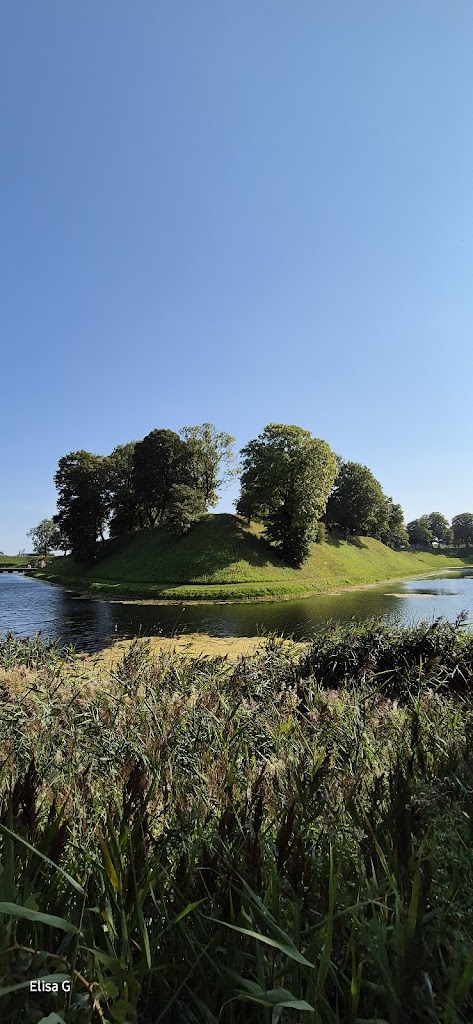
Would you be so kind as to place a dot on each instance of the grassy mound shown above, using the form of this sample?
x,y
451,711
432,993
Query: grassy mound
x,y
223,559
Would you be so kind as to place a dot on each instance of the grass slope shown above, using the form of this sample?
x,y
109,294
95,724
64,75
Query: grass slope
x,y
10,561
223,559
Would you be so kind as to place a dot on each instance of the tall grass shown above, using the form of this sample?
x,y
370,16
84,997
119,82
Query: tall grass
x,y
281,839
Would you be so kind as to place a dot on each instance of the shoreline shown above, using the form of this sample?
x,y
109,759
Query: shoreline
x,y
87,594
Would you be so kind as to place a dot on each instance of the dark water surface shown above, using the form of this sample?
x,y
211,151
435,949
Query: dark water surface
x,y
28,605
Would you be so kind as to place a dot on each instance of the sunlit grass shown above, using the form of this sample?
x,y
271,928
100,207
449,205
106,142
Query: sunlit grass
x,y
222,558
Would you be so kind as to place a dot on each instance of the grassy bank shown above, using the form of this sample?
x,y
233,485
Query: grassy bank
x,y
285,839
222,559
10,561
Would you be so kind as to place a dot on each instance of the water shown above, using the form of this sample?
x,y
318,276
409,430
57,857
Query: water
x,y
28,605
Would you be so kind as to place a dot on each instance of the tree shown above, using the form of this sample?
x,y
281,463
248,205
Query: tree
x,y
45,537
127,514
462,526
82,480
62,542
185,507
207,449
357,503
420,534
440,529
394,534
429,529
159,462
287,477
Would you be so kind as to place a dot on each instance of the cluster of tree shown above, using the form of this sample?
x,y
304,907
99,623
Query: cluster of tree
x,y
291,482
167,480
434,529
295,484
358,505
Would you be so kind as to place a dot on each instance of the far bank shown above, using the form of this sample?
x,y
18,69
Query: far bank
x,y
224,560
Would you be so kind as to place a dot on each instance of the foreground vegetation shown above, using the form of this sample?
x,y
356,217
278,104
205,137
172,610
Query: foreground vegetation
x,y
222,558
287,838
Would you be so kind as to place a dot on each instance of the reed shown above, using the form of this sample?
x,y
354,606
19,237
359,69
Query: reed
x,y
287,838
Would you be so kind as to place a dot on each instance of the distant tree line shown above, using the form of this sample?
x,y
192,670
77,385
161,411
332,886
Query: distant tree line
x,y
291,482
434,529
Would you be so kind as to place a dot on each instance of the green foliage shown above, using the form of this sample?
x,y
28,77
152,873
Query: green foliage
x,y
430,528
134,487
320,536
357,503
186,506
439,528
286,838
462,527
392,656
287,477
419,532
83,501
45,537
127,513
207,451
159,462
393,532
30,652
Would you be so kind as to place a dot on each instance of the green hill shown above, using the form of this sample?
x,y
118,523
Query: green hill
x,y
223,559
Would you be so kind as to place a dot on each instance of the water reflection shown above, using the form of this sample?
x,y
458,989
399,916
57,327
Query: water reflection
x,y
28,605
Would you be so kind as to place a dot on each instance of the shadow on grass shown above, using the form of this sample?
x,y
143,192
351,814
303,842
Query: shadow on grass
x,y
357,542
338,540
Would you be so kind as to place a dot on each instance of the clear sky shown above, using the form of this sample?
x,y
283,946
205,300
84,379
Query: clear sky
x,y
241,211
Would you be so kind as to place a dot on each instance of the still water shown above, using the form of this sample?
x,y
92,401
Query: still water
x,y
28,605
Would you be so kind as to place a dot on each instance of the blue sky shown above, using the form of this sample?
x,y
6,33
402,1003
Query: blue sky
x,y
243,211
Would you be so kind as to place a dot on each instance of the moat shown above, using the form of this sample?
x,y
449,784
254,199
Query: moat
x,y
29,605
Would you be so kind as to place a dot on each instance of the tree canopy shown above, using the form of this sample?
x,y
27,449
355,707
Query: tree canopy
x,y
420,534
207,450
432,528
286,480
357,503
289,481
159,461
440,528
83,500
166,479
126,512
393,532
45,537
186,505
462,527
